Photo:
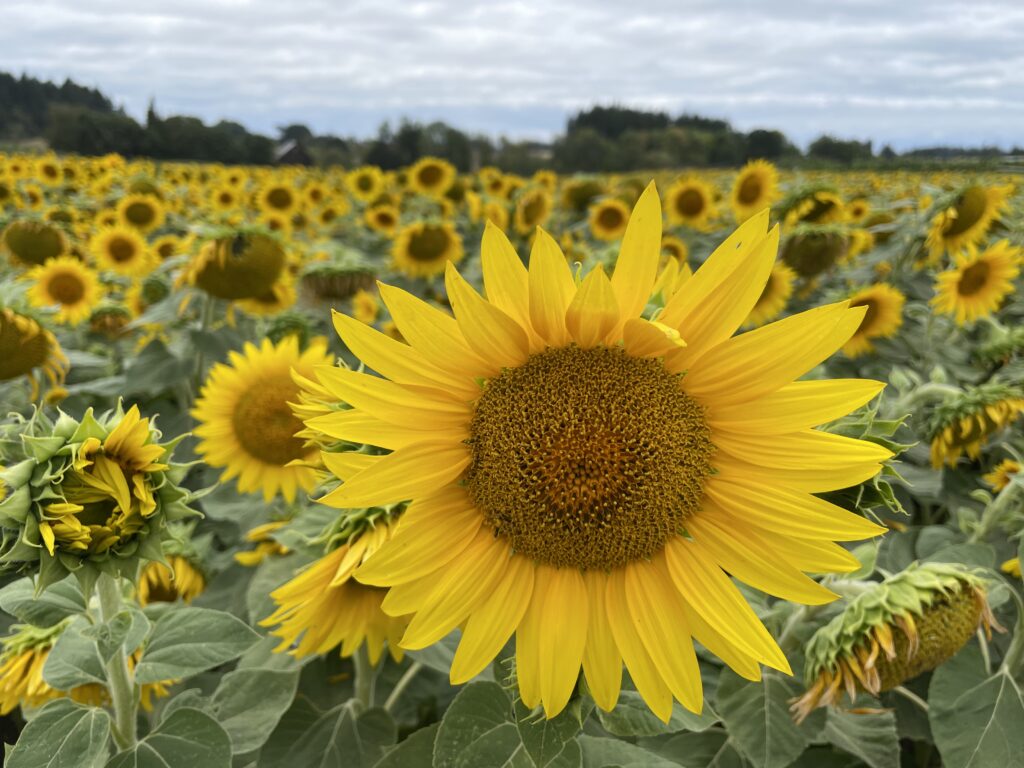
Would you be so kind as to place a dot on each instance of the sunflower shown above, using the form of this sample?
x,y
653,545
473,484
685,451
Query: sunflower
x,y
25,347
29,243
882,320
813,249
365,183
178,579
675,248
496,212
978,284
168,246
608,219
266,545
422,249
690,202
431,176
1012,567
245,424
533,209
965,220
570,485
324,607
246,265
382,218
277,199
857,209
818,207
966,422
756,187
774,296
122,249
1002,474
142,212
67,284
278,298
365,307
225,199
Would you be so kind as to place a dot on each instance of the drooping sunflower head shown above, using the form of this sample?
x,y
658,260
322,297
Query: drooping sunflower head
x,y
23,653
110,319
965,423
281,296
562,455
26,349
110,493
883,318
122,249
979,283
337,279
141,212
774,296
266,545
690,202
29,242
245,424
1001,474
811,250
422,249
67,284
906,625
964,218
608,219
431,176
533,209
756,186
579,193
178,578
815,206
244,265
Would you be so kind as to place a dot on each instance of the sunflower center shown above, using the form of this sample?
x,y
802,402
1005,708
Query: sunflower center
x,y
690,203
749,191
533,210
974,278
587,458
66,288
970,208
430,244
430,176
869,316
140,214
279,198
265,425
121,249
23,346
610,218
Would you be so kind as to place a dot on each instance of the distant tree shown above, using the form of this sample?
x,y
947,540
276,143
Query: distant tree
x,y
585,149
294,132
839,151
612,122
88,132
888,153
767,145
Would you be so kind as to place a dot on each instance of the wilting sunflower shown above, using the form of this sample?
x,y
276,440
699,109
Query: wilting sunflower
x,y
25,348
29,243
966,422
122,249
559,464
774,296
979,283
422,249
1001,474
883,318
813,249
142,212
533,209
246,265
245,423
431,176
965,219
690,202
756,187
266,545
324,607
365,183
277,198
608,219
382,218
182,580
908,624
69,285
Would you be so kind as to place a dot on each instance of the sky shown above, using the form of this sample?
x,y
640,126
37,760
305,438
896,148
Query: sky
x,y
909,73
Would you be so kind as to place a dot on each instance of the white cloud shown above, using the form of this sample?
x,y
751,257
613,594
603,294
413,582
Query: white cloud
x,y
911,73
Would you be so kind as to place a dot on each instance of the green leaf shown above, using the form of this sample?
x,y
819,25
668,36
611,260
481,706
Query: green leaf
x,y
299,718
61,600
417,751
871,737
601,752
63,733
632,717
187,738
710,749
186,641
547,741
976,719
110,636
248,704
342,739
74,659
758,718
478,729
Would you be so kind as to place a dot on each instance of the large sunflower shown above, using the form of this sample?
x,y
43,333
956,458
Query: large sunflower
x,y
690,202
277,198
965,220
123,250
245,423
883,318
69,285
978,284
422,249
756,187
584,478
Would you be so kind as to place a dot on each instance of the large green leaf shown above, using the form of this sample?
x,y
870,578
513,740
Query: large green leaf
x,y
248,704
186,641
187,738
977,719
871,736
632,717
600,752
341,738
61,600
417,751
74,659
758,718
63,734
709,749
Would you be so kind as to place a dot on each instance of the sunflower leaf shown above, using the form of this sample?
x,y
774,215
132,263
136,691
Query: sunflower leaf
x,y
185,739
63,733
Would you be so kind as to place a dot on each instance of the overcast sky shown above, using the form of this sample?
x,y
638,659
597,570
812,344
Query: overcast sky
x,y
908,73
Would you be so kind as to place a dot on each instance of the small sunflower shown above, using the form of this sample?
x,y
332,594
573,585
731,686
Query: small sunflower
x,y
1001,474
168,246
423,249
774,296
690,202
1012,567
431,176
122,249
365,183
533,209
496,212
178,579
382,218
819,206
966,422
978,284
675,248
608,219
756,187
365,307
69,285
30,243
883,318
142,212
266,545
25,348
966,219
277,199
245,424
225,199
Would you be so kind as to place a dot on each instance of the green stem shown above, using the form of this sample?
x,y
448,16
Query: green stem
x,y
365,675
931,390
205,323
909,695
1013,662
119,678
994,513
401,685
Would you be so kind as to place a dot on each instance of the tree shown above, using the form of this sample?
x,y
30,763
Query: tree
x,y
839,150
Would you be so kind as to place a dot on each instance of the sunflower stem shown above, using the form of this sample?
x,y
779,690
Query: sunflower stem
x,y
932,390
366,674
994,513
119,677
1013,662
204,325
909,695
401,685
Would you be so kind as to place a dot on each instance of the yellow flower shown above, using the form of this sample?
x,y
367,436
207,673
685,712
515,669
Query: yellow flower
x,y
29,243
1011,566
122,249
365,307
431,176
774,296
382,218
608,219
675,248
142,212
277,199
979,283
756,187
25,347
883,318
690,202
266,546
422,249
585,479
533,209
965,425
69,285
365,183
966,220
1001,475
160,584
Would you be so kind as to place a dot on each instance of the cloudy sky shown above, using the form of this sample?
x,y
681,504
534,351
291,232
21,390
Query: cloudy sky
x,y
909,73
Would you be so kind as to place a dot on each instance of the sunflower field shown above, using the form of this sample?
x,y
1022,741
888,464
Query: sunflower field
x,y
343,467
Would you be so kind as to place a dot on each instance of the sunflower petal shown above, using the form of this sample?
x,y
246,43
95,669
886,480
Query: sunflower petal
x,y
593,313
602,662
551,290
562,635
637,266
796,406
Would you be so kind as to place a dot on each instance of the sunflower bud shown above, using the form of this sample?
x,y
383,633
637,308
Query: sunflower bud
x,y
89,497
966,422
906,625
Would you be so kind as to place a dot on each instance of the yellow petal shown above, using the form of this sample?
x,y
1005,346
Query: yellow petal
x,y
360,427
811,478
644,338
602,662
551,290
562,634
506,281
637,265
593,313
808,449
47,534
348,464
710,638
491,333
